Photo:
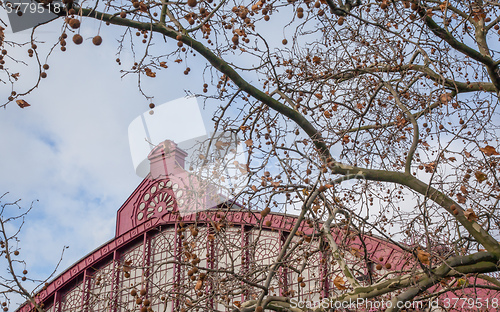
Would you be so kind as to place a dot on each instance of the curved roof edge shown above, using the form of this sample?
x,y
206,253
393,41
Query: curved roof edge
x,y
278,221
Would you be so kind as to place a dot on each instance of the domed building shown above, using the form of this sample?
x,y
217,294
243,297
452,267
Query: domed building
x,y
217,257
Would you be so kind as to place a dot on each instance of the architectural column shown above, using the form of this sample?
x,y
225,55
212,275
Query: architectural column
x,y
116,282
86,290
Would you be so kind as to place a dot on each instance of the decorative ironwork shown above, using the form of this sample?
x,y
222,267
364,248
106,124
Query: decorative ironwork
x,y
209,261
159,198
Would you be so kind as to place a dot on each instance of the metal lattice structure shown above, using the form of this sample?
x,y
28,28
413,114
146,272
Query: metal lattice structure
x,y
211,260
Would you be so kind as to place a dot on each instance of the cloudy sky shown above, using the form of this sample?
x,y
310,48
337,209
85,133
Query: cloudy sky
x,y
69,150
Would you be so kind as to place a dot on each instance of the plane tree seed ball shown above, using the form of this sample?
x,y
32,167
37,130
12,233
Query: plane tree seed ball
x,y
74,23
77,39
192,3
265,212
97,40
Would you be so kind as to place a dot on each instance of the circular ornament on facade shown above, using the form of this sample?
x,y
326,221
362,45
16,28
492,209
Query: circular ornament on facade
x,y
157,201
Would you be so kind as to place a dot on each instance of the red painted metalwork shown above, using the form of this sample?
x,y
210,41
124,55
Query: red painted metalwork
x,y
130,229
177,267
380,248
